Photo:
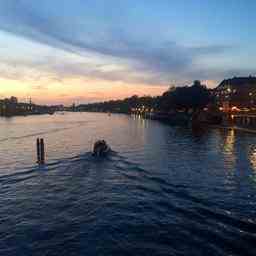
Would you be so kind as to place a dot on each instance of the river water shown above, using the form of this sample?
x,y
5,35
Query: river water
x,y
163,191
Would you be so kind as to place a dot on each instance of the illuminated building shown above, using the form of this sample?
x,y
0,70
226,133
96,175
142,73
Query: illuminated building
x,y
238,93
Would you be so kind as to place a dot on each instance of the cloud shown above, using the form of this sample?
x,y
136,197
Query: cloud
x,y
142,61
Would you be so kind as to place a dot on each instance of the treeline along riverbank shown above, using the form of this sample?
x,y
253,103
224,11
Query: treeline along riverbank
x,y
232,103
177,105
180,99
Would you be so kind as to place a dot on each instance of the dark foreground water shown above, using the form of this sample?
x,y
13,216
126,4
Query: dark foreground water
x,y
164,191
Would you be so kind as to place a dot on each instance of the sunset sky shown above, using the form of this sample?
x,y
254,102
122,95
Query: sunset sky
x,y
64,51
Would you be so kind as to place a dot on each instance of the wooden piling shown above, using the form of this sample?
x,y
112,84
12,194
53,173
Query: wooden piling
x,y
38,150
42,151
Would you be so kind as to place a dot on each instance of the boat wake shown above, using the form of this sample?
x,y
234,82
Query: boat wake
x,y
113,200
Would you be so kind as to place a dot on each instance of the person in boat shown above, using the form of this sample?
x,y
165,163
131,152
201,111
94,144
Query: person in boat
x,y
100,148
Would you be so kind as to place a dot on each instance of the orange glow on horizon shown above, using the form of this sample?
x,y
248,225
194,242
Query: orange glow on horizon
x,y
78,90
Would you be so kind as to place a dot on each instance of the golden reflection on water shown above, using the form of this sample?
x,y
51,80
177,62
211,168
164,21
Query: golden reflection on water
x,y
252,158
229,142
228,149
142,121
138,129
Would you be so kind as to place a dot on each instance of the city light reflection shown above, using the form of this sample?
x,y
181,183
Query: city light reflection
x,y
229,141
252,158
228,148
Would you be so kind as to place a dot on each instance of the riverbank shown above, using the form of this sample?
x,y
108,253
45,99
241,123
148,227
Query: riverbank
x,y
23,109
242,122
248,130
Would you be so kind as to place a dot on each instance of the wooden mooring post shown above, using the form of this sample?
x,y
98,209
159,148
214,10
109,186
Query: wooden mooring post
x,y
40,148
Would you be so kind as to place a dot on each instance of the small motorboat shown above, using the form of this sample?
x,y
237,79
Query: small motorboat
x,y
100,148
